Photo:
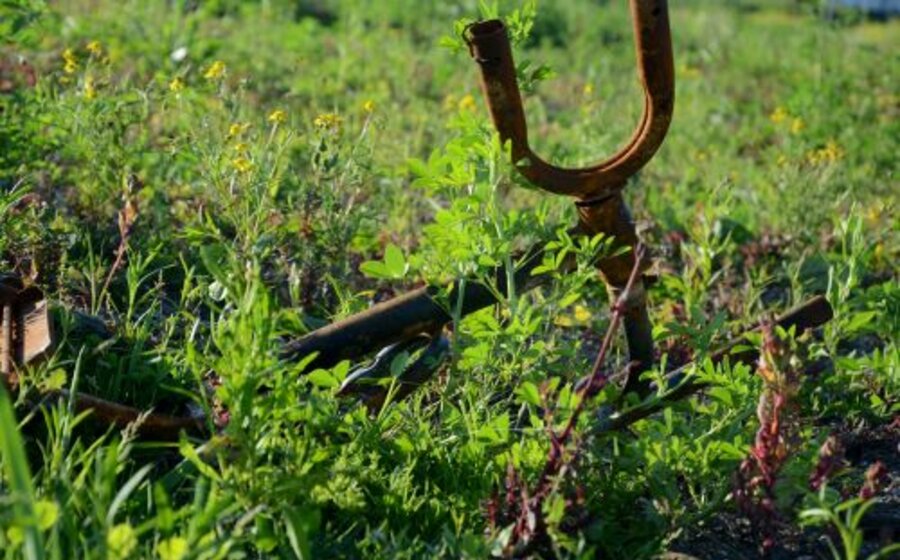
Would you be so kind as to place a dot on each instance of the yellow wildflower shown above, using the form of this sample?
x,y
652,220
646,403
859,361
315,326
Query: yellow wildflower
x,y
449,102
95,48
215,71
587,90
873,214
240,147
829,154
89,91
779,115
242,164
176,85
797,125
467,103
328,120
277,116
368,106
237,129
879,253
71,62
582,314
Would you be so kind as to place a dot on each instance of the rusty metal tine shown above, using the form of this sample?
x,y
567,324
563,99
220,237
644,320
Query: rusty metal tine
x,y
489,44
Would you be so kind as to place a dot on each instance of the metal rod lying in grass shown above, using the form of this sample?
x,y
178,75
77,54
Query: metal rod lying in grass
x,y
31,320
811,314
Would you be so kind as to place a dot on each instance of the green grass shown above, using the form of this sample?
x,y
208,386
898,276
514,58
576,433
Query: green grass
x,y
333,132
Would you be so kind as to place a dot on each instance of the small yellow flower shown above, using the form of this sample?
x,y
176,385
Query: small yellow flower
x,y
797,125
449,102
833,150
237,129
176,85
277,116
467,103
71,62
831,153
582,314
587,90
89,91
95,48
368,106
779,115
328,121
240,147
873,214
242,164
215,71
879,253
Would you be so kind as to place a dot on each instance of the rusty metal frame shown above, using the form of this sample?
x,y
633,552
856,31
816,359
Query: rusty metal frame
x,y
809,315
601,209
597,189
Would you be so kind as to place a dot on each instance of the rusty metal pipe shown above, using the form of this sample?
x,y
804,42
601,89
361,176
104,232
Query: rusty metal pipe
x,y
403,317
810,314
490,47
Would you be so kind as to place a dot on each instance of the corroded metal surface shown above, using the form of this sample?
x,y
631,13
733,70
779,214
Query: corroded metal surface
x,y
26,336
597,189
25,327
424,310
490,47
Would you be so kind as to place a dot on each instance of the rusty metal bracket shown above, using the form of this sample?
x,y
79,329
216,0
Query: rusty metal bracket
x,y
597,189
27,336
26,330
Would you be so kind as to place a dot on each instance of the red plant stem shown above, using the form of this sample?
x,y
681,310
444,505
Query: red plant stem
x,y
596,381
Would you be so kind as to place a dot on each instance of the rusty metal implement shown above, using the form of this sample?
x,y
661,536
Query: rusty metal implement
x,y
412,323
27,336
597,189
25,327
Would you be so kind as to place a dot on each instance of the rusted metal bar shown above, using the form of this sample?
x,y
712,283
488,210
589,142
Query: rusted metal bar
x,y
811,314
490,47
26,335
152,424
611,217
406,316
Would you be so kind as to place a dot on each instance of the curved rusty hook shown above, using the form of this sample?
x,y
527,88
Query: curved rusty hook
x,y
490,47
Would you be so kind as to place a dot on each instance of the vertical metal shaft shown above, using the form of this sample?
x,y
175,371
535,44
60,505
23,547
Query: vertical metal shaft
x,y
610,216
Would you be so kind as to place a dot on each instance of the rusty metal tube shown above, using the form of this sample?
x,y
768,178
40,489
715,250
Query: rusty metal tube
x,y
405,316
610,216
490,47
810,314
